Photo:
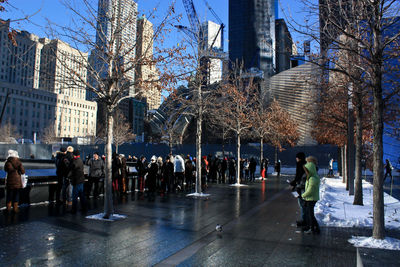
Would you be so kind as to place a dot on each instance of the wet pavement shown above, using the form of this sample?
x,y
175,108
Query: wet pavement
x,y
258,230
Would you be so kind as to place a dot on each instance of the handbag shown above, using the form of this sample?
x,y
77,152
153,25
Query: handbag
x,y
24,180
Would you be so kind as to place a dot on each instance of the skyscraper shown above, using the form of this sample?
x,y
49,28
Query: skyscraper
x,y
212,37
147,73
252,34
116,23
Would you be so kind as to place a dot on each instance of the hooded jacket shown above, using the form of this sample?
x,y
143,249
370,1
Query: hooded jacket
x,y
179,164
312,184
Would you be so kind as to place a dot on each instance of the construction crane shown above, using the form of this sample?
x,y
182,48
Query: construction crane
x,y
196,33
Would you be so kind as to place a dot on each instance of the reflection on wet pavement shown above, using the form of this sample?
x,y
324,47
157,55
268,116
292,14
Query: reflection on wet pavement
x,y
257,231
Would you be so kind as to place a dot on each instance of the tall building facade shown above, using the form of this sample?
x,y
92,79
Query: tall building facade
x,y
147,73
252,34
284,46
294,89
19,64
212,37
63,69
38,87
116,21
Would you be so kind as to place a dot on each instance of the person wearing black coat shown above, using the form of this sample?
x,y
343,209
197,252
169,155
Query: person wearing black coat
x,y
61,172
224,167
151,181
141,167
298,184
252,167
168,173
278,168
116,171
188,172
67,188
232,170
77,178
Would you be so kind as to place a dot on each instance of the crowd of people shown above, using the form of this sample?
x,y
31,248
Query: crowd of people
x,y
157,176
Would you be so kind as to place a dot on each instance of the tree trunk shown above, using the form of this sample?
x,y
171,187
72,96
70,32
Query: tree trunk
x,y
170,144
350,146
198,143
358,193
344,163
378,231
108,201
261,153
238,158
223,144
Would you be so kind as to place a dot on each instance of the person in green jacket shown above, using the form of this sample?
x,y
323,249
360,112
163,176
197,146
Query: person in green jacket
x,y
311,195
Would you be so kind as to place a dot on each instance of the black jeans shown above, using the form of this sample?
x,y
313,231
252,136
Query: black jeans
x,y
93,181
310,217
12,195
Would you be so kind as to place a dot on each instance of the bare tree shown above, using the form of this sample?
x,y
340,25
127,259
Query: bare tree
x,y
49,135
112,64
235,106
8,133
122,131
273,125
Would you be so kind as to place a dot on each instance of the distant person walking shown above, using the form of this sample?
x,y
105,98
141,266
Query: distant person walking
x,y
13,167
311,195
278,167
330,173
388,168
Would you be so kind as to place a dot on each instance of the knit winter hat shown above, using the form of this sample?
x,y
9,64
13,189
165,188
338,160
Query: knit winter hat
x,y
312,159
12,153
70,149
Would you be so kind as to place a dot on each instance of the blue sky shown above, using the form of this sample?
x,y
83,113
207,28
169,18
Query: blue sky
x,y
56,12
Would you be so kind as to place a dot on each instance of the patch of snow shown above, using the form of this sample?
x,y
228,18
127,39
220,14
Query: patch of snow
x,y
113,217
238,185
198,195
369,242
336,208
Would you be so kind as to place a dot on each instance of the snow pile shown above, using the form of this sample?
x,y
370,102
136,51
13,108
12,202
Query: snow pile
x,y
197,195
238,185
113,217
336,208
369,242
